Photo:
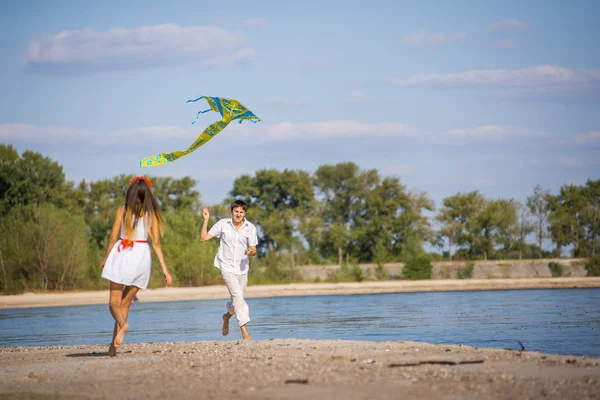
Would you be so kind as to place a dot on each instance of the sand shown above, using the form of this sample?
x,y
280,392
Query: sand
x,y
29,300
293,369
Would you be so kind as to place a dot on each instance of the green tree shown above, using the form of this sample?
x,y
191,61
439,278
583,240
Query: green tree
x,y
176,194
461,212
277,199
31,179
591,215
44,248
311,229
496,224
539,205
343,188
190,261
523,229
393,217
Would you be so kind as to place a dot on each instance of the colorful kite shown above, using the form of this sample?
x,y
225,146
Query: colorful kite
x,y
229,109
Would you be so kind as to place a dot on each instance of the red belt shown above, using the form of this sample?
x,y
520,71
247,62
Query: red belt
x,y
125,243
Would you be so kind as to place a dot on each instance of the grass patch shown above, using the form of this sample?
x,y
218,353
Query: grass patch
x,y
466,272
556,269
593,266
417,268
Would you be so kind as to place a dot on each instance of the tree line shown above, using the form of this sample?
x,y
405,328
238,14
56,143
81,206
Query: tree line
x,y
53,232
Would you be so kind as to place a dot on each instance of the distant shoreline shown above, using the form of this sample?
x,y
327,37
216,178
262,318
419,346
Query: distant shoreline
x,y
32,300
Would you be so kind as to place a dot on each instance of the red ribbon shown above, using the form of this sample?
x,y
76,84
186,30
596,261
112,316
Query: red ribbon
x,y
125,243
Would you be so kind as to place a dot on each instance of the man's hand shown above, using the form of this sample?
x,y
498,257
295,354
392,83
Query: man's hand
x,y
205,214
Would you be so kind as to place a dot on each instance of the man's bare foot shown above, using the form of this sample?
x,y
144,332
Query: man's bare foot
x,y
225,328
112,350
121,335
245,334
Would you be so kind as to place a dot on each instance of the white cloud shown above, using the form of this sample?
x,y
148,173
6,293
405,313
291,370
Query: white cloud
x,y
254,23
28,132
399,169
575,94
505,44
251,132
589,138
356,96
32,133
121,48
423,38
493,132
332,129
537,76
511,24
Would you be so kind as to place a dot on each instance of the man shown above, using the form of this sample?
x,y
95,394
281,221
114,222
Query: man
x,y
238,240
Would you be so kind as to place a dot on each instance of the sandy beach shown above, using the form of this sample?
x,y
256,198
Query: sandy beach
x,y
293,369
30,300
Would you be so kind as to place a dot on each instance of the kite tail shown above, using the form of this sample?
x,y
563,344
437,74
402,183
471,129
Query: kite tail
x,y
164,158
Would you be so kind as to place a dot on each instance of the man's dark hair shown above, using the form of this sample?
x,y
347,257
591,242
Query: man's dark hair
x,y
239,203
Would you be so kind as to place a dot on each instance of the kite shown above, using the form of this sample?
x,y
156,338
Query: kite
x,y
229,109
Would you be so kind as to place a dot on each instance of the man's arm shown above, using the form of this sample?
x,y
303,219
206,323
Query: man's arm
x,y
250,251
204,236
252,243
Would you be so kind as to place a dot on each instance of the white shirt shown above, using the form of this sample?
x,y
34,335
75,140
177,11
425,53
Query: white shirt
x,y
233,245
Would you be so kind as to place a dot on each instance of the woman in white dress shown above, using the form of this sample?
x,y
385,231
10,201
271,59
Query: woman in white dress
x,y
128,259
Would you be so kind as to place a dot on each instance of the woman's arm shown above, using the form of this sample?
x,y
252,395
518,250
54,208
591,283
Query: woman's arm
x,y
155,236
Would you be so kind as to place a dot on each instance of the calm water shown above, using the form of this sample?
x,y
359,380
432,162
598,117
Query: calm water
x,y
551,321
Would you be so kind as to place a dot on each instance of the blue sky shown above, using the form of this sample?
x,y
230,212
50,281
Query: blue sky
x,y
495,96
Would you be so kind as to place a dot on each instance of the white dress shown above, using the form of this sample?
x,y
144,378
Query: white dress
x,y
130,265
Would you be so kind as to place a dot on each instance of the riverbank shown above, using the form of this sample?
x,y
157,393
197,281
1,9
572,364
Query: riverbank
x,y
293,369
31,300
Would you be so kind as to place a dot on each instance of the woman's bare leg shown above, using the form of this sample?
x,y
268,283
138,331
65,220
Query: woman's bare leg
x,y
114,304
127,296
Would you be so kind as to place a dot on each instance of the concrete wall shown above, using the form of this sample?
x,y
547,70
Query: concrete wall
x,y
447,270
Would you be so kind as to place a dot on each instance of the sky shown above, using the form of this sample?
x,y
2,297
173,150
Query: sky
x,y
451,97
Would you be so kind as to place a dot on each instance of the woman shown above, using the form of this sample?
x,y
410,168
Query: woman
x,y
128,259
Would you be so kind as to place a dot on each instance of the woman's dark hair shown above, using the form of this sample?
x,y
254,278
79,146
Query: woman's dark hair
x,y
141,202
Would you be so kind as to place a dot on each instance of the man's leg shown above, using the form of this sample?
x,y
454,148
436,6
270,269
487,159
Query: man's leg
x,y
238,306
227,316
244,314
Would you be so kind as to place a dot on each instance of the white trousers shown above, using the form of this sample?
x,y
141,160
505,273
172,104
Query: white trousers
x,y
236,284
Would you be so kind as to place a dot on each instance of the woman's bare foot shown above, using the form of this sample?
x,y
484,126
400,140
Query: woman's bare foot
x,y
225,328
120,335
112,350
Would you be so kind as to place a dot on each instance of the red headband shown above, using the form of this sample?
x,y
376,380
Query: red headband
x,y
141,178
